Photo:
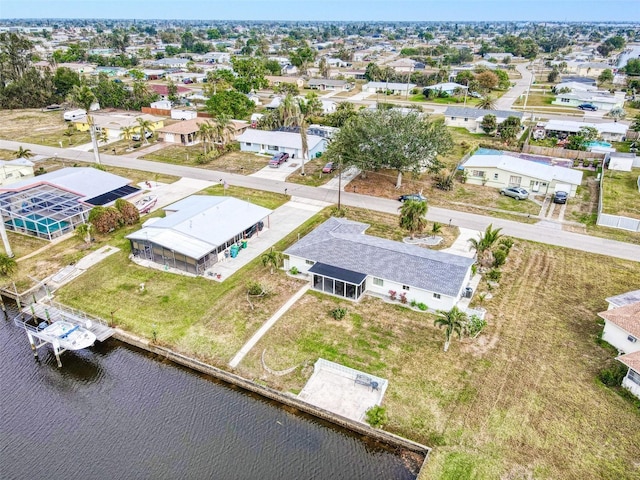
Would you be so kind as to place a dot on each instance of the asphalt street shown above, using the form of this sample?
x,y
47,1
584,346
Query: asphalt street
x,y
542,232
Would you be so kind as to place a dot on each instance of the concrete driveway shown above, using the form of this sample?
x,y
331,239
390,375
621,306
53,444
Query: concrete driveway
x,y
172,192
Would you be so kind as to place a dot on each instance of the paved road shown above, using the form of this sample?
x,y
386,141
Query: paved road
x,y
520,88
544,232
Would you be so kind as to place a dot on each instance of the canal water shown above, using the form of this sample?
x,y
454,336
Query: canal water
x,y
631,51
115,412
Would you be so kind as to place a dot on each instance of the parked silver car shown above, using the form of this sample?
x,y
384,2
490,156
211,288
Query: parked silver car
x,y
518,193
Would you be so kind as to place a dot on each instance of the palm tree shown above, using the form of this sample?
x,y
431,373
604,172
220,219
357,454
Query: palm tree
x,y
22,153
82,96
435,229
487,103
69,133
223,130
205,132
453,321
83,231
273,259
145,126
8,265
412,216
485,243
103,137
291,115
127,134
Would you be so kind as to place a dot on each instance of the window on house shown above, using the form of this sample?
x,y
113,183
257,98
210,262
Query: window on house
x,y
466,119
515,180
405,287
495,176
477,173
248,144
273,147
564,100
378,281
453,118
436,295
634,376
632,339
309,262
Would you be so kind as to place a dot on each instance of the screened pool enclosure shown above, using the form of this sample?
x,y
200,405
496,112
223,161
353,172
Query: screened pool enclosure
x,y
43,211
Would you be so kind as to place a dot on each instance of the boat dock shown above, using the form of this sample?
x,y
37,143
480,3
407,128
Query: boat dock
x,y
53,312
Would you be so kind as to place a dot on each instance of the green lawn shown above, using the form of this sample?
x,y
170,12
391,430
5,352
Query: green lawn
x,y
620,193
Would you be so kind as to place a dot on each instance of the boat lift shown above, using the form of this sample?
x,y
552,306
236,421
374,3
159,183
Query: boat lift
x,y
62,327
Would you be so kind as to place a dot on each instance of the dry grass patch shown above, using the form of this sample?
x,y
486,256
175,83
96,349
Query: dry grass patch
x,y
313,175
528,399
233,162
41,127
620,193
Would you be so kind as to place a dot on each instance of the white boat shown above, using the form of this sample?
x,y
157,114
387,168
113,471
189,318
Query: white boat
x,y
67,335
146,203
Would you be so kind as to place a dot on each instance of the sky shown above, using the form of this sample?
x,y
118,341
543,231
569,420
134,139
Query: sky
x,y
347,10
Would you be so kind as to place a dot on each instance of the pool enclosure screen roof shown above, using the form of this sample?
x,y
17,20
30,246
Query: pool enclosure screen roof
x,y
41,201
338,273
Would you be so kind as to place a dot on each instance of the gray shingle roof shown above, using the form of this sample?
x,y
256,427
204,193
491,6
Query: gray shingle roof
x,y
342,243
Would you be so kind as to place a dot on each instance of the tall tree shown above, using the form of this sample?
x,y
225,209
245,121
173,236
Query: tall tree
x,y
453,321
413,216
487,103
145,126
205,132
127,134
231,103
484,243
82,96
391,139
323,68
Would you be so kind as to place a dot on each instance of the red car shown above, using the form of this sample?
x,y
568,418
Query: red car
x,y
278,159
328,168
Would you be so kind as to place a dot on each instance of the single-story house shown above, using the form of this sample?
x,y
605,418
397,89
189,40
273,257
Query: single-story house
x,y
328,106
186,132
264,141
448,87
197,232
50,205
393,87
153,73
500,56
631,381
500,171
622,327
402,65
113,122
328,84
276,81
171,62
111,71
80,68
163,91
340,259
289,70
161,104
592,69
180,77
603,100
612,131
12,171
574,86
471,118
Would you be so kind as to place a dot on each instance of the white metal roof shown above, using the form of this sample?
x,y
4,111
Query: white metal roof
x,y
88,182
198,224
279,139
571,126
526,167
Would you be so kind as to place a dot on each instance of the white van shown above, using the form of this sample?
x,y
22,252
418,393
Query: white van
x,y
74,114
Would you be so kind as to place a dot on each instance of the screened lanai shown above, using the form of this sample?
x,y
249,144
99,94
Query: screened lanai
x,y
44,211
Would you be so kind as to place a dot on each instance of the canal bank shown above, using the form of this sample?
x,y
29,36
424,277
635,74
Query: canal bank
x,y
119,411
397,443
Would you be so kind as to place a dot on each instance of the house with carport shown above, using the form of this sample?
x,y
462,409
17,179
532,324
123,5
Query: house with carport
x,y
501,171
341,260
198,232
326,84
185,132
393,87
611,131
271,142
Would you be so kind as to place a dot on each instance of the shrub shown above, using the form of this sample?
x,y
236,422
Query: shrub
x,y
474,325
105,219
494,274
294,270
423,306
413,303
129,212
499,257
506,243
338,313
393,294
612,377
254,288
377,416
339,212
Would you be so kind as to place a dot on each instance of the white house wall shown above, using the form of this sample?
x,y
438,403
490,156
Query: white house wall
x,y
420,296
633,387
503,178
617,337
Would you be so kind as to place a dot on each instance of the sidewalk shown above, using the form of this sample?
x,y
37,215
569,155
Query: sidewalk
x,y
266,326
150,149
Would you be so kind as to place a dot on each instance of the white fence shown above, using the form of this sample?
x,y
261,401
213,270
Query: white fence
x,y
615,221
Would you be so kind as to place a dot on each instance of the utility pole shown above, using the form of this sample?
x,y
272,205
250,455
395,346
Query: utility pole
x,y
94,139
